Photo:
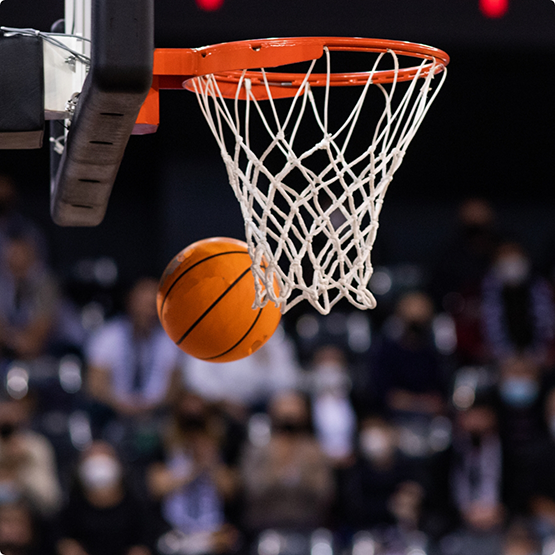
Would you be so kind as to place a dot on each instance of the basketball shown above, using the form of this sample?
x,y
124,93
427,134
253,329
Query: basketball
x,y
205,300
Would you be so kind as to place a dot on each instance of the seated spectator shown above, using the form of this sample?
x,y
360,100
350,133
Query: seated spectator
x,y
468,486
29,298
287,482
190,479
521,423
332,412
102,516
20,531
517,307
247,383
477,468
521,539
12,219
380,488
131,361
458,274
542,499
27,461
407,374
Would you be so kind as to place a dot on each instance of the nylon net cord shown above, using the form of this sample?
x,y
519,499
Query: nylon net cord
x,y
314,242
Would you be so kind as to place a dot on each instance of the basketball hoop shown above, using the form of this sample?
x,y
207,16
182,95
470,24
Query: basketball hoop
x,y
312,211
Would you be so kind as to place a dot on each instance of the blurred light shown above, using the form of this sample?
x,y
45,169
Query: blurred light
x,y
170,542
413,442
17,382
269,543
494,8
321,542
363,544
69,374
209,5
445,334
105,271
259,429
358,332
308,327
464,397
380,282
80,430
549,546
440,434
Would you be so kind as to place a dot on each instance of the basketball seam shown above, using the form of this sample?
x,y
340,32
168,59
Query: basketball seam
x,y
193,266
240,340
200,318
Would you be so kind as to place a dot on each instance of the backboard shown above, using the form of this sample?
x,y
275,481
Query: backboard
x,y
89,146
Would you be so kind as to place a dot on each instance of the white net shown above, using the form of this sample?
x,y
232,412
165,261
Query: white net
x,y
311,212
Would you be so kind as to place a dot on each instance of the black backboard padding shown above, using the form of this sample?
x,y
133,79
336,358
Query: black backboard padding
x,y
114,91
21,92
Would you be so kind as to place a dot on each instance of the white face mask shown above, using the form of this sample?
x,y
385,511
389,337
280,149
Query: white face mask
x,y
513,270
331,376
100,471
376,443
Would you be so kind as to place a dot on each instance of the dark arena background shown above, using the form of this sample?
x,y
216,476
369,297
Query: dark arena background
x,y
423,427
488,134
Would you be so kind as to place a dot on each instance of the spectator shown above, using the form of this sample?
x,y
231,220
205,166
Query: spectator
x,y
12,220
190,478
468,486
542,500
518,310
521,539
27,461
287,482
247,383
477,468
29,299
407,374
20,531
457,277
522,425
102,515
380,489
131,361
332,412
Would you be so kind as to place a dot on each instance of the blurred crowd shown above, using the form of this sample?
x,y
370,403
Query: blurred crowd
x,y
424,428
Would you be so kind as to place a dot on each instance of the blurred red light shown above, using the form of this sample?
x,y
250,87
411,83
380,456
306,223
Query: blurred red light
x,y
494,8
209,5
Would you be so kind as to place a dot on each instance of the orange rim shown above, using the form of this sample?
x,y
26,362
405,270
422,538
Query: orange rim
x,y
174,68
227,62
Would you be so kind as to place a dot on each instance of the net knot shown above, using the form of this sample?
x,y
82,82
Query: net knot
x,y
325,142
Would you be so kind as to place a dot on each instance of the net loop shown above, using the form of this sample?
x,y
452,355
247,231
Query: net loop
x,y
312,212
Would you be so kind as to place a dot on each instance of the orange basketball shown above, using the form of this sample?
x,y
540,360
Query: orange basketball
x,y
205,302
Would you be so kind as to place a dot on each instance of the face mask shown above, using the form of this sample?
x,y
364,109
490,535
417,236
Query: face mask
x,y
375,444
9,492
331,377
100,471
513,270
519,392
